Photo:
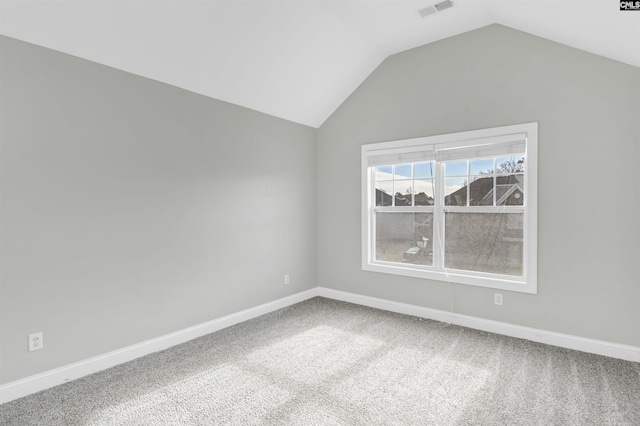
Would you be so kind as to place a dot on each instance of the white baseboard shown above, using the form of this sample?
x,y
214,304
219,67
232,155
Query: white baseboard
x,y
599,347
48,379
42,381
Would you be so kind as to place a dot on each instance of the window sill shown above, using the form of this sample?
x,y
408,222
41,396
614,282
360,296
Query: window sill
x,y
499,282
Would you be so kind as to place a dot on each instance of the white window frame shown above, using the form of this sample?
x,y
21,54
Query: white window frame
x,y
412,150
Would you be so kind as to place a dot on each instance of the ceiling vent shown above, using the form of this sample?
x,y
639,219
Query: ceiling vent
x,y
438,7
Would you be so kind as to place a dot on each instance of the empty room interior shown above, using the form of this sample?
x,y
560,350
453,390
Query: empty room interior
x,y
320,212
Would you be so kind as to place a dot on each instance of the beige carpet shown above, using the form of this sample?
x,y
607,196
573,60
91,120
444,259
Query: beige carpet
x,y
323,362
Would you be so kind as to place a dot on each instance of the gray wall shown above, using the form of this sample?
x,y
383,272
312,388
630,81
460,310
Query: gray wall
x,y
589,147
131,208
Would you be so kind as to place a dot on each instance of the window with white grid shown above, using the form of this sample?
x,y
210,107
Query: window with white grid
x,y
458,207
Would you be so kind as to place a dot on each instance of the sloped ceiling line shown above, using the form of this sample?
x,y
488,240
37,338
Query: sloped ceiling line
x,y
293,59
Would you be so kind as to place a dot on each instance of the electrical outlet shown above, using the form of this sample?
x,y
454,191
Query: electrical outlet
x,y
35,342
286,279
497,298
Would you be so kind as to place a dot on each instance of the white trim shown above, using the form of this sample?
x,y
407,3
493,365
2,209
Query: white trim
x,y
599,347
478,279
48,379
452,140
38,382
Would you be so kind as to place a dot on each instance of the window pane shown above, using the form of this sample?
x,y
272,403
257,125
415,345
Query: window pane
x,y
455,191
510,190
484,242
424,170
403,190
511,164
383,193
404,238
458,168
384,173
484,166
481,191
423,189
403,171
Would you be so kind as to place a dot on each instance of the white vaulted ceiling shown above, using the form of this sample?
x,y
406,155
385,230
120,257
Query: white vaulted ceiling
x,y
294,59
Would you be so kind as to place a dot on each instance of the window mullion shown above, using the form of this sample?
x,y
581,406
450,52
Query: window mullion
x,y
438,218
393,186
468,182
372,215
495,180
